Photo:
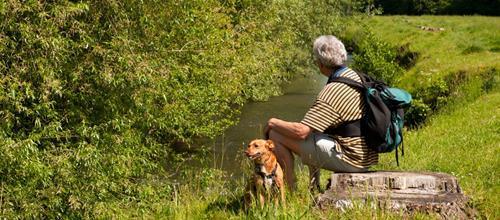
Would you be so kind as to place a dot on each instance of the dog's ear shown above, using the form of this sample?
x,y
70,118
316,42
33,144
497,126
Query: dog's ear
x,y
270,144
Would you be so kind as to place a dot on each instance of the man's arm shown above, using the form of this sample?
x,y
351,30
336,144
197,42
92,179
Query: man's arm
x,y
293,130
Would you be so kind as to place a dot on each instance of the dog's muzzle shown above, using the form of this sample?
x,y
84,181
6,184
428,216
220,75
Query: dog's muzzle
x,y
253,156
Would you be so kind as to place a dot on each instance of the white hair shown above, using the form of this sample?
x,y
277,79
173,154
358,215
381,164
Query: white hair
x,y
329,51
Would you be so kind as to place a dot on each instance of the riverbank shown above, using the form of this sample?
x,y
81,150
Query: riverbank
x,y
444,45
435,55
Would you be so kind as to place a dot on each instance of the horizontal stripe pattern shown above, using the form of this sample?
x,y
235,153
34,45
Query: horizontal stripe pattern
x,y
338,103
321,115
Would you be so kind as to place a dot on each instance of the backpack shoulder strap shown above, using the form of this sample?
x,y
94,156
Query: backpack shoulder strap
x,y
352,128
349,82
366,81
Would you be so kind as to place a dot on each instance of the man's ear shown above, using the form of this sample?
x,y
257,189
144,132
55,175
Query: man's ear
x,y
270,144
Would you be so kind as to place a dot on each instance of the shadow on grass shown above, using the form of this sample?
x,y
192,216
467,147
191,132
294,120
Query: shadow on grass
x,y
231,204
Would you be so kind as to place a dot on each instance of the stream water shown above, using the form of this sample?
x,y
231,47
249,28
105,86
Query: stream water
x,y
291,106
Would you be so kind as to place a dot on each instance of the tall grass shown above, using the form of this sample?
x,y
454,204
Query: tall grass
x,y
215,196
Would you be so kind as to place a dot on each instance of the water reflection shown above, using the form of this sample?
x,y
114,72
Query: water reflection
x,y
298,97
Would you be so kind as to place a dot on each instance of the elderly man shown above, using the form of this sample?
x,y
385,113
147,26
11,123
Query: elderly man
x,y
318,139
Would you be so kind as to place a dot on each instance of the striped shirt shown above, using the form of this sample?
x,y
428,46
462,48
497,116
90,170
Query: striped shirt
x,y
336,104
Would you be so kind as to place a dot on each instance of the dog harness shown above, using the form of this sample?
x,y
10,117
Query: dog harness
x,y
268,179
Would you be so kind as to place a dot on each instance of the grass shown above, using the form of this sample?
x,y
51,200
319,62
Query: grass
x,y
467,44
222,199
462,139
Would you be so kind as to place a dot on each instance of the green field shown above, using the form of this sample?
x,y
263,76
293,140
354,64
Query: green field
x,y
463,139
467,44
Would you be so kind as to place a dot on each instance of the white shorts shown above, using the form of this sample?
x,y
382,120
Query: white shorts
x,y
318,150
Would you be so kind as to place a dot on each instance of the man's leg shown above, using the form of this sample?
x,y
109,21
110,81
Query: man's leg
x,y
314,182
284,147
286,160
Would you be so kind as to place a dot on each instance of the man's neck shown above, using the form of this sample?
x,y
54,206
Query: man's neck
x,y
333,73
335,69
328,71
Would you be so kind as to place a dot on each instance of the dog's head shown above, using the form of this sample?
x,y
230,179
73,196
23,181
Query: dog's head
x,y
258,148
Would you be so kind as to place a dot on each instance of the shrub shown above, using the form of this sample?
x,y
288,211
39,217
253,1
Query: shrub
x,y
456,7
405,57
376,58
94,92
417,113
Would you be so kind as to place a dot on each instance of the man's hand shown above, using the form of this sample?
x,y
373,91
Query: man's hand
x,y
267,128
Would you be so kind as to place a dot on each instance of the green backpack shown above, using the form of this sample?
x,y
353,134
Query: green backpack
x,y
382,123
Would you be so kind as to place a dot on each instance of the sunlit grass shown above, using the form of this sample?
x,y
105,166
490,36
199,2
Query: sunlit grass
x,y
221,198
467,43
463,140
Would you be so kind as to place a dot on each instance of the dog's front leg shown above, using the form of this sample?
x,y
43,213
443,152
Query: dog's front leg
x,y
314,173
262,199
280,199
249,195
283,201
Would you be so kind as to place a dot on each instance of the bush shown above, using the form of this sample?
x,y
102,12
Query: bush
x,y
455,7
418,112
95,92
375,57
405,57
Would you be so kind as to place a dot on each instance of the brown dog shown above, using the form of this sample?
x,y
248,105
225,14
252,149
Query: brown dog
x,y
267,181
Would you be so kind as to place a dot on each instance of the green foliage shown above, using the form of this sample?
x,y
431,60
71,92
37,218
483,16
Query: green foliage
x,y
473,49
366,7
430,6
413,7
438,94
405,57
93,93
417,113
436,63
375,57
456,7
434,94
